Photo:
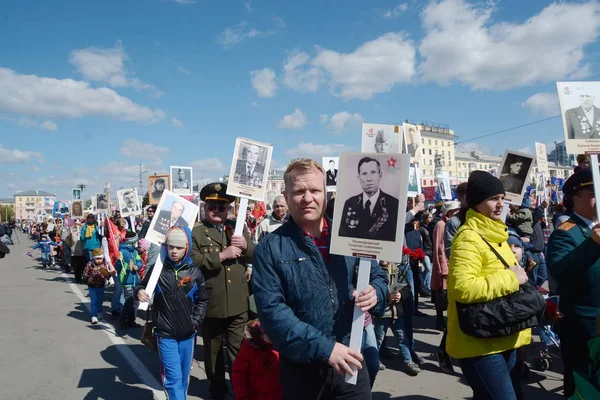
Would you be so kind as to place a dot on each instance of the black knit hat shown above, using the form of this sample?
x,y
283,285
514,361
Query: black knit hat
x,y
481,186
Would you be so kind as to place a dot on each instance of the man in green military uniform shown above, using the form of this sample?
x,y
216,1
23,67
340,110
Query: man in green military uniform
x,y
221,256
574,261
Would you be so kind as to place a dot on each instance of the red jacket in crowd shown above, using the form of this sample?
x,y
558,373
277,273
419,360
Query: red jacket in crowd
x,y
255,373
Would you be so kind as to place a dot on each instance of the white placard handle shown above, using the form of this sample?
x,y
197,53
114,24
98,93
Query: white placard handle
x,y
241,217
505,210
596,177
152,282
358,318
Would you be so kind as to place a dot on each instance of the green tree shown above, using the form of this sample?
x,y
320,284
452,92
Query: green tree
x,y
7,213
146,200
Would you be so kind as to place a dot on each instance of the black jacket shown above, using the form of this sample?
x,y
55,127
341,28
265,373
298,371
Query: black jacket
x,y
427,244
179,304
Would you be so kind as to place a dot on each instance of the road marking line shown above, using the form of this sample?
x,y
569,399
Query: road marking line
x,y
135,363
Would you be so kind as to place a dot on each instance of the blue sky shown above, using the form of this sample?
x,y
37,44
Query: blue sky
x,y
89,90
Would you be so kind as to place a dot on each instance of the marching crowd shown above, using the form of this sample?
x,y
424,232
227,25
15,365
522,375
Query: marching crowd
x,y
284,304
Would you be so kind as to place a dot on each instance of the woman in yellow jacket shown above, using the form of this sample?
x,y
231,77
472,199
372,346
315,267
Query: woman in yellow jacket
x,y
477,275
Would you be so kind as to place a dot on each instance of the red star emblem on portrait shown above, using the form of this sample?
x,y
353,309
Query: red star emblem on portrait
x,y
392,162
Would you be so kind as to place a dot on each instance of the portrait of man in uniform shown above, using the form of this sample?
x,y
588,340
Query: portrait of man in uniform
x,y
583,122
514,173
181,180
76,194
331,175
372,214
413,141
156,187
250,167
413,180
101,201
169,218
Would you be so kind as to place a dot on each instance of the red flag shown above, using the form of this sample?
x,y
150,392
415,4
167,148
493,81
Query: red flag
x,y
259,210
113,237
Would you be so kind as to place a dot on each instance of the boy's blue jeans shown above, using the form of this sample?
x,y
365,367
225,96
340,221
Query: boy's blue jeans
x,y
175,364
118,297
46,260
402,329
96,300
370,352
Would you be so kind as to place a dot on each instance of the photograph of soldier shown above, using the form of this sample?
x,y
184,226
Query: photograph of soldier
x,y
77,209
371,214
413,141
444,187
271,194
76,194
157,185
173,210
332,172
514,172
181,180
128,202
583,121
381,138
101,202
250,166
171,217
413,181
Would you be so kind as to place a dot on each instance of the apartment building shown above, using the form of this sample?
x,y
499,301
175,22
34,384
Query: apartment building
x,y
30,204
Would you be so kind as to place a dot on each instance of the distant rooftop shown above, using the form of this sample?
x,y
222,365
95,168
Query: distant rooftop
x,y
34,193
7,200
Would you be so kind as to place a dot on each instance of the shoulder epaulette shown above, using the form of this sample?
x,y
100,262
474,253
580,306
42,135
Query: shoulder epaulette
x,y
565,226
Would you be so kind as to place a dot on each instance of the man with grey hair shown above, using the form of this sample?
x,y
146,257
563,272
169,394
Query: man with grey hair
x,y
277,218
167,219
583,122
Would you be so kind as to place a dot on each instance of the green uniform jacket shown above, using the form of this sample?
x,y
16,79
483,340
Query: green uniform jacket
x,y
225,282
574,261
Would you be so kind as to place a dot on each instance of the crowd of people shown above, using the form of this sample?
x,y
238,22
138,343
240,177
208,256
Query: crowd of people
x,y
283,304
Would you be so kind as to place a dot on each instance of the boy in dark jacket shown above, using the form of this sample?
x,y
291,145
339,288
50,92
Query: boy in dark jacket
x,y
128,265
179,306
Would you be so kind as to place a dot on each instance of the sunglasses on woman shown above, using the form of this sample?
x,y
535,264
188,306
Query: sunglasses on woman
x,y
217,206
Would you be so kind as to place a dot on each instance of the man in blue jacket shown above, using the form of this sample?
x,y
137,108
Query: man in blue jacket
x,y
305,296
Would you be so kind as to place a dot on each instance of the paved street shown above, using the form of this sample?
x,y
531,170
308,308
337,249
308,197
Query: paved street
x,y
51,351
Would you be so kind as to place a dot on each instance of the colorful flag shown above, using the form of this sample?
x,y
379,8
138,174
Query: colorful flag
x,y
259,210
113,237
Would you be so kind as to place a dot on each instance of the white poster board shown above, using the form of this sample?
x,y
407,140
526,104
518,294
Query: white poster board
x,y
382,138
414,180
412,138
514,175
579,107
249,170
444,187
128,202
330,165
372,188
173,210
541,158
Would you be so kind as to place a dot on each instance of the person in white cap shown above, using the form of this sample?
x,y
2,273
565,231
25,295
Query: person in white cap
x,y
439,276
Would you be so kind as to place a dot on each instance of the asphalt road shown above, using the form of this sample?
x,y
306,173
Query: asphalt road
x,y
49,349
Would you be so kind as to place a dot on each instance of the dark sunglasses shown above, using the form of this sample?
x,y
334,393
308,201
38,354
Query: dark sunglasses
x,y
216,206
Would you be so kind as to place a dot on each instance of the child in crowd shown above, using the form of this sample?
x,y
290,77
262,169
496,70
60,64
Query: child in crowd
x,y
255,372
143,247
45,247
128,265
95,274
178,309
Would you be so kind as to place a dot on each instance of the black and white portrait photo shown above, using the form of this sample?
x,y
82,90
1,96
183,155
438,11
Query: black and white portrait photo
x,y
414,182
128,202
514,175
412,138
172,210
76,194
330,165
181,180
249,169
540,184
382,138
102,202
580,109
371,187
444,187
157,184
77,209
270,198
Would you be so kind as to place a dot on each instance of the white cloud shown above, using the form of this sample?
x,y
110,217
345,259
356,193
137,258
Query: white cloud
x,y
66,98
263,81
49,125
211,164
464,44
545,104
31,123
183,70
254,104
239,33
342,121
476,147
15,156
184,2
35,168
299,75
527,150
396,11
134,149
107,65
374,67
176,123
323,118
315,151
295,120
248,5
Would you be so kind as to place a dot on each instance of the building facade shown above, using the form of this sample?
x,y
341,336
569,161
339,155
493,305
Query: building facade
x,y
559,155
436,140
30,204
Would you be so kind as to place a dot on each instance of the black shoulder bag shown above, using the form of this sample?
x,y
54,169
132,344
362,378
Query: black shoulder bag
x,y
503,316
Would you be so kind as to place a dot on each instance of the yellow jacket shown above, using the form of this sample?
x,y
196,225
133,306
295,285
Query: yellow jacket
x,y
477,275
